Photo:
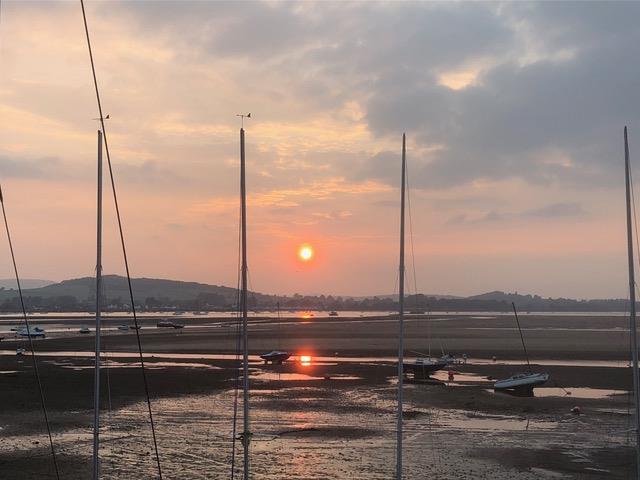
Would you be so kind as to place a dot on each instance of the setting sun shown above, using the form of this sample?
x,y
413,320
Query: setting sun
x,y
305,252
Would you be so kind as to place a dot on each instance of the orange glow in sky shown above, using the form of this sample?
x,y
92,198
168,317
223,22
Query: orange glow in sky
x,y
305,253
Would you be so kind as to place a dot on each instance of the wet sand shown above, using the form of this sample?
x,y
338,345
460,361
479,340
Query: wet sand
x,y
335,418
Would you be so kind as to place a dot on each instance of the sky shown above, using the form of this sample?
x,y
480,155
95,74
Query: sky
x,y
513,112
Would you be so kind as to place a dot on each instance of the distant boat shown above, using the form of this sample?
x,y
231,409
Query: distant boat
x,y
276,357
168,324
34,332
333,313
85,330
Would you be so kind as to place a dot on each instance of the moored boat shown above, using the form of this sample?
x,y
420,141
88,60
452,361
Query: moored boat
x,y
521,383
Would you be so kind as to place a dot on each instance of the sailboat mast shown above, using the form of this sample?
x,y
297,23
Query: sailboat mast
x,y
632,299
401,316
96,378
524,347
246,436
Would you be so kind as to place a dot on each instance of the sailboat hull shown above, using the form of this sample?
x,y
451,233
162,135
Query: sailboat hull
x,y
522,383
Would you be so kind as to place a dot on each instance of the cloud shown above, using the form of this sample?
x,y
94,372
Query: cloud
x,y
553,211
556,210
34,168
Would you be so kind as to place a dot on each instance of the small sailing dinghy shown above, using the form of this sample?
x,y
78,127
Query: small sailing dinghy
x,y
521,384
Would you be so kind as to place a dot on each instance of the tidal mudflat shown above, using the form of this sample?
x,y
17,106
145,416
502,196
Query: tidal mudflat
x,y
336,417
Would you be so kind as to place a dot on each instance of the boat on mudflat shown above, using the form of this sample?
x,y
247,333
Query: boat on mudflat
x,y
277,357
522,382
423,367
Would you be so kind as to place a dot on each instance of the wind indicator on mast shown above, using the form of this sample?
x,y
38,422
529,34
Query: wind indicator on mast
x,y
242,117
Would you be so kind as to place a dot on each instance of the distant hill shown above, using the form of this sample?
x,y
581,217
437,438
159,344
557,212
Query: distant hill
x,y
505,297
394,296
157,294
115,286
10,283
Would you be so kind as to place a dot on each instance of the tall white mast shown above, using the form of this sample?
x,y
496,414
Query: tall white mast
x,y
401,317
246,435
96,378
632,299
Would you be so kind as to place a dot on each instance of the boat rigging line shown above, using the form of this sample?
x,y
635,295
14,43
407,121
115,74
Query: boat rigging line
x,y
124,250
238,348
632,301
29,332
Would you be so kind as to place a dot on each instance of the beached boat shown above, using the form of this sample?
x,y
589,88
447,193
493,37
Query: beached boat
x,y
524,382
277,357
521,383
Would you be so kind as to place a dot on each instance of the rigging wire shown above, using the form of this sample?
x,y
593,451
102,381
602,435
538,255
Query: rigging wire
x,y
413,256
124,250
31,347
238,346
430,425
631,354
635,219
